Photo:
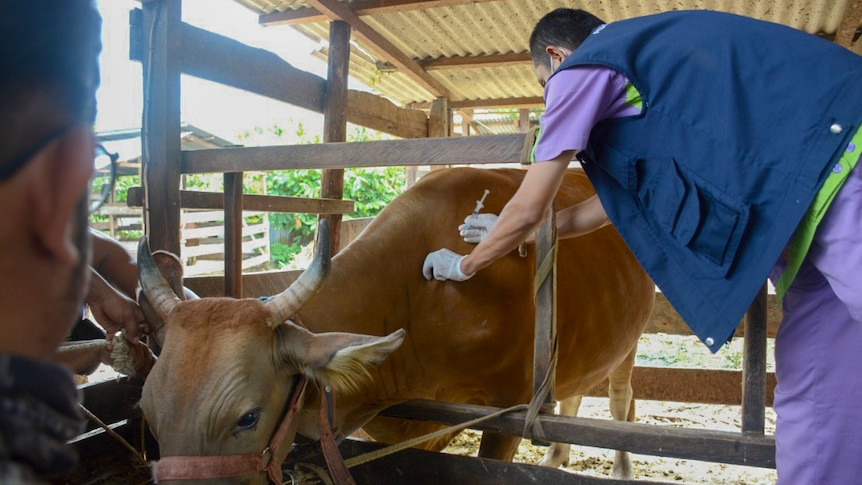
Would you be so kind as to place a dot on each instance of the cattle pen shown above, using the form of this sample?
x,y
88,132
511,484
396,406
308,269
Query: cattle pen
x,y
422,120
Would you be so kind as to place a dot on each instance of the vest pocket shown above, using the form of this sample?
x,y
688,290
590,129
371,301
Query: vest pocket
x,y
698,216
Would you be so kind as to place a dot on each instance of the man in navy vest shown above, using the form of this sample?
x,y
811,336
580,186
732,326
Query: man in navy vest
x,y
723,150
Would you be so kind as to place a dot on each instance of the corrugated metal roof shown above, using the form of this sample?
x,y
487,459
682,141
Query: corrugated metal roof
x,y
481,28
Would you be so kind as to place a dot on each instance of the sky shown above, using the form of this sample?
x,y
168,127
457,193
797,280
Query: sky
x,y
223,111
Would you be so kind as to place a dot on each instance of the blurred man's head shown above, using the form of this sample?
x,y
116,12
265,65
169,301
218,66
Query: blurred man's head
x,y
48,78
556,35
49,58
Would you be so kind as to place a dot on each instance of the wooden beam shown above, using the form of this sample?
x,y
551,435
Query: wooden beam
x,y
383,153
160,134
545,326
467,62
254,203
226,61
688,444
377,113
233,234
419,467
526,102
754,365
373,41
675,384
309,15
438,119
665,319
335,119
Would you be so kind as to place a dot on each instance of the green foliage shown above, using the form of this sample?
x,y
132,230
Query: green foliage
x,y
371,189
122,184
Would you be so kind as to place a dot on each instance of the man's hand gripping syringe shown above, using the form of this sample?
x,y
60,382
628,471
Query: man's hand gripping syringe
x,y
477,226
445,264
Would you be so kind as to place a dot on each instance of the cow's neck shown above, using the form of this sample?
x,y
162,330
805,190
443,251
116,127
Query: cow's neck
x,y
365,305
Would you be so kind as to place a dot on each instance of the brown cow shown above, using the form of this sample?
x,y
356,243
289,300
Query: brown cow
x,y
467,342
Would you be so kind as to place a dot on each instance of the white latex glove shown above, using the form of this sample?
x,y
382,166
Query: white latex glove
x,y
443,265
476,227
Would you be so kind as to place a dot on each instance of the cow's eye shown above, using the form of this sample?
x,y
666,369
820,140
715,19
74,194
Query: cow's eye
x,y
248,420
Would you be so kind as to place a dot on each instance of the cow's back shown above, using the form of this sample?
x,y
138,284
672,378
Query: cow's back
x,y
473,341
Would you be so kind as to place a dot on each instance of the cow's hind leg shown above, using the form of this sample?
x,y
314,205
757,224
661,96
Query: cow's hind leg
x,y
622,408
558,453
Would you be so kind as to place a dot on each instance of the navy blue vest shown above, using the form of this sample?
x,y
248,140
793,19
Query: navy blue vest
x,y
742,120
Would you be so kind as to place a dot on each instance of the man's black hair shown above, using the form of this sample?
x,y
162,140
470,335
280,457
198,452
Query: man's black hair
x,y
564,27
49,51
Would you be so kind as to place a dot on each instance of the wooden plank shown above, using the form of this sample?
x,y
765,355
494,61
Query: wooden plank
x,y
218,248
119,209
706,386
218,231
224,60
688,444
190,199
664,319
254,285
161,123
419,467
380,114
383,153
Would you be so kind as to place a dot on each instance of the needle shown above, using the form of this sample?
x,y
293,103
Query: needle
x,y
479,204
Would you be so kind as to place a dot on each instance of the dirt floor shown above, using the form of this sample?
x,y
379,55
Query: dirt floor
x,y
662,351
597,462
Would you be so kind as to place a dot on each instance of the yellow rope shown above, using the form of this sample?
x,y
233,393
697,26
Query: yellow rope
x,y
373,455
113,434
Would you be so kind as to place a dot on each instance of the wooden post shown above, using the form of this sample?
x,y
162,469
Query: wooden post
x,y
335,119
160,136
233,234
438,123
546,312
754,366
438,118
524,120
465,122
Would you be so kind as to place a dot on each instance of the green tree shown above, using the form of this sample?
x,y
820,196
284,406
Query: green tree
x,y
371,188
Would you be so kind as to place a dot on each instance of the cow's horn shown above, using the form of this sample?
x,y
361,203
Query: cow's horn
x,y
154,286
288,302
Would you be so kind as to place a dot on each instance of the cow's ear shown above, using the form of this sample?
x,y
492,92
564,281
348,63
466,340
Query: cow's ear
x,y
335,358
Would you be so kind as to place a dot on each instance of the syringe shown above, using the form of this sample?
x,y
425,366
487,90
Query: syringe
x,y
479,204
